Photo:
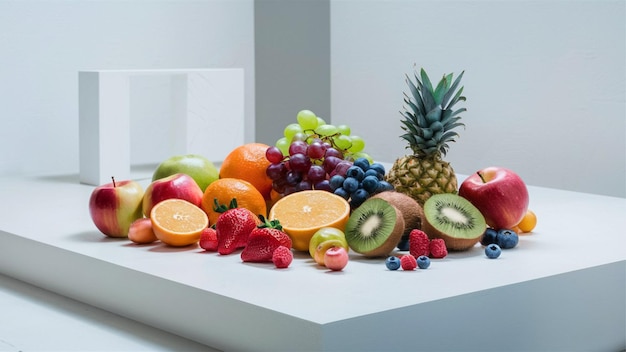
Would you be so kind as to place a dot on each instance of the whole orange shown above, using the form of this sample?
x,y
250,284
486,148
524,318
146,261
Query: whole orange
x,y
223,191
248,162
528,222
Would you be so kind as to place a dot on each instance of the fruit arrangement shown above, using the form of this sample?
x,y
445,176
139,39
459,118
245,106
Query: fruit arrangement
x,y
317,191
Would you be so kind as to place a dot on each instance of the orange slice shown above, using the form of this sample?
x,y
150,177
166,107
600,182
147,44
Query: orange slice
x,y
177,222
303,213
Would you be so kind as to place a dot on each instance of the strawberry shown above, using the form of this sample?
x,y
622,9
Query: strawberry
x,y
208,239
233,228
264,240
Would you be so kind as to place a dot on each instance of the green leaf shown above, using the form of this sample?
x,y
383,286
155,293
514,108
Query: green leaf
x,y
451,90
434,115
416,90
450,121
456,99
454,125
412,87
458,112
415,108
440,90
449,136
409,127
426,80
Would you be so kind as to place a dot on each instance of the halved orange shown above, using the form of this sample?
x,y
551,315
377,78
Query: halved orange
x,y
177,222
303,213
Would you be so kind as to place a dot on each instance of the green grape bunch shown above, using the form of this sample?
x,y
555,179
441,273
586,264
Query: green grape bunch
x,y
310,128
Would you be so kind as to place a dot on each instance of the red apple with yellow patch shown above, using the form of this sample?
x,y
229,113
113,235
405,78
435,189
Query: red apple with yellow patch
x,y
115,205
499,193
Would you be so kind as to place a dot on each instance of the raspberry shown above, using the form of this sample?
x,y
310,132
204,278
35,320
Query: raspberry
x,y
438,248
282,257
418,243
408,262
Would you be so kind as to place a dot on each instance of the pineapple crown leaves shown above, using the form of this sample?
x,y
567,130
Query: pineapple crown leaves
x,y
430,118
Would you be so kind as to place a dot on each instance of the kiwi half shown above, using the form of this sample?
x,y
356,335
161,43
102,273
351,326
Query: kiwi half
x,y
453,219
374,228
411,210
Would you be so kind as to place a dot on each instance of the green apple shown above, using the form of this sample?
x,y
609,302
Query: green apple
x,y
325,234
202,170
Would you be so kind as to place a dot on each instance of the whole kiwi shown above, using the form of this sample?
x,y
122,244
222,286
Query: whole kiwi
x,y
374,228
454,219
411,210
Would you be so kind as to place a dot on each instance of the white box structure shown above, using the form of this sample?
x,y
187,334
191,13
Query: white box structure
x,y
207,106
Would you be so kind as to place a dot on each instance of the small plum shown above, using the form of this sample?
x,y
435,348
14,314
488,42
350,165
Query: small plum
x,y
141,232
336,258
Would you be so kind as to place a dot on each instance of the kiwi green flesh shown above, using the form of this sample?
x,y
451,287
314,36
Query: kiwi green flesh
x,y
453,219
374,228
411,210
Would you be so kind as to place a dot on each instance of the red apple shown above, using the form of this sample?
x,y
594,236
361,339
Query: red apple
x,y
180,186
114,206
499,194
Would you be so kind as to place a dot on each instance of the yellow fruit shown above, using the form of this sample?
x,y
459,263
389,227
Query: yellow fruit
x,y
321,249
177,222
303,213
325,234
528,222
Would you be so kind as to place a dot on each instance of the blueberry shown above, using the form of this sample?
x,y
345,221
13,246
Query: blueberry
x,y
489,237
404,245
342,193
363,163
392,263
336,181
507,239
350,184
370,183
358,197
493,251
372,172
423,262
378,167
355,172
384,186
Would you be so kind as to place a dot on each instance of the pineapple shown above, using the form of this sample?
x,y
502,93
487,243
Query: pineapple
x,y
428,121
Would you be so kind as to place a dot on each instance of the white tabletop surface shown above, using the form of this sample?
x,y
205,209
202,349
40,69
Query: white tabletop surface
x,y
574,231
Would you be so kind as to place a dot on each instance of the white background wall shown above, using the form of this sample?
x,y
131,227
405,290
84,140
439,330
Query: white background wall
x,y
544,80
43,45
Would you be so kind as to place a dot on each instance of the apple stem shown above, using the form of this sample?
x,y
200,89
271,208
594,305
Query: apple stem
x,y
113,179
481,176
